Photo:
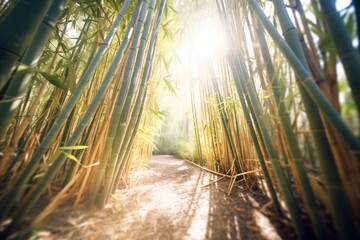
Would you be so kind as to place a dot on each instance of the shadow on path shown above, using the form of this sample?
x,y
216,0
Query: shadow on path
x,y
173,199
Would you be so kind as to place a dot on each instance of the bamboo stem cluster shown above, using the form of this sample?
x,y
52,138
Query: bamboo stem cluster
x,y
269,111
98,88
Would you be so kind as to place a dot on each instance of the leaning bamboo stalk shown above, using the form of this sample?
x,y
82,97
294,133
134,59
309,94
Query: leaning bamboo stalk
x,y
245,90
55,201
344,160
20,82
291,140
114,139
349,56
309,84
280,176
130,119
342,216
241,93
261,158
16,32
44,146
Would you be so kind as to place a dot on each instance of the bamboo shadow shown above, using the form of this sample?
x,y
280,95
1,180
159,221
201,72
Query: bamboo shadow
x,y
239,215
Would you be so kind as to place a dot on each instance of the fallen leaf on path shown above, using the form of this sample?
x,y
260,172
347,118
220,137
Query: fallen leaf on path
x,y
253,228
240,209
267,213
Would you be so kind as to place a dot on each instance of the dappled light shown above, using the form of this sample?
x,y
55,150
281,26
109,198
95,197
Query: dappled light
x,y
161,205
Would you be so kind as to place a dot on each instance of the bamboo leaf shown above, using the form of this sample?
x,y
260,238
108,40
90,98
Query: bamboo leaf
x,y
350,25
78,147
54,79
169,86
23,68
72,157
160,115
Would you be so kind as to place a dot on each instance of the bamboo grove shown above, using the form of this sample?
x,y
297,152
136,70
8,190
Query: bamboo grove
x,y
78,89
73,92
269,103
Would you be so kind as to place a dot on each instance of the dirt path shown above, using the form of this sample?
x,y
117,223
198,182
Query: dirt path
x,y
172,199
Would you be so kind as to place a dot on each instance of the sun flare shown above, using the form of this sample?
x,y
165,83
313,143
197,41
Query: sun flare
x,y
203,41
206,38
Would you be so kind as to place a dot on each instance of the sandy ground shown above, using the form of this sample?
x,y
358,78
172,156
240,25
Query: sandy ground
x,y
172,199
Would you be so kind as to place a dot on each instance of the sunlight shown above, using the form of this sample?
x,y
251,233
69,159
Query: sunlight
x,y
206,38
267,230
203,41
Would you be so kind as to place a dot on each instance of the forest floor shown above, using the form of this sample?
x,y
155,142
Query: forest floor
x,y
173,199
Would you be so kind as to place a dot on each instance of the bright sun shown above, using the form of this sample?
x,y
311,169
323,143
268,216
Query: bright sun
x,y
203,41
206,38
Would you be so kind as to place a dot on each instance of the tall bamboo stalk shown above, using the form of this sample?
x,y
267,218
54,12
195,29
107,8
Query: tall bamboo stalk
x,y
245,89
9,201
309,84
348,54
16,33
345,230
120,105
20,82
291,37
112,127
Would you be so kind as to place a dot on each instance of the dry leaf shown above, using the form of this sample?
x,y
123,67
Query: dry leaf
x,y
240,209
253,228
267,213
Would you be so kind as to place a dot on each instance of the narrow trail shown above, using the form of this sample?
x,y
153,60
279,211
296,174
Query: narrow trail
x,y
172,199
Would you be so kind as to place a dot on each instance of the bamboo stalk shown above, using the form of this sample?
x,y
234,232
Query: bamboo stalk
x,y
309,84
16,32
133,116
292,144
31,167
20,82
349,56
115,138
326,108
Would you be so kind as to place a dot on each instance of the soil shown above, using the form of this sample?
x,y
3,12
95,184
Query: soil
x,y
173,199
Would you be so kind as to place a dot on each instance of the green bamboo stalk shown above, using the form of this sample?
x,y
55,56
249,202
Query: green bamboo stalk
x,y
291,140
139,103
20,182
131,134
41,186
20,82
349,55
195,121
261,158
124,125
112,130
224,118
340,210
16,32
246,91
121,104
309,84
